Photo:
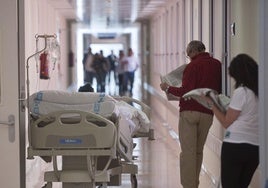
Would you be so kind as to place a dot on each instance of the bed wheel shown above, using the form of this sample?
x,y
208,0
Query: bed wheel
x,y
48,185
134,182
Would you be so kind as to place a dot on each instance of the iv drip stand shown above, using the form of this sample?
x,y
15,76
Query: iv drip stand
x,y
27,67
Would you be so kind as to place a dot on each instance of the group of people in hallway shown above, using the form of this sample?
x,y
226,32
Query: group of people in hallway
x,y
121,68
240,148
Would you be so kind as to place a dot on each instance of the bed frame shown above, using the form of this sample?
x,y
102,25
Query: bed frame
x,y
95,150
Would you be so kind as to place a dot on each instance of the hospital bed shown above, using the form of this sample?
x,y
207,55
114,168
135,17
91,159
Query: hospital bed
x,y
92,132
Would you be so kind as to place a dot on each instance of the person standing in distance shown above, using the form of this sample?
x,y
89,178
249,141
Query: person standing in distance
x,y
89,72
203,71
120,70
112,59
131,66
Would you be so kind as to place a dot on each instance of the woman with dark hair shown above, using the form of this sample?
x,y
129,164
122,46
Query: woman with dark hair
x,y
245,72
240,148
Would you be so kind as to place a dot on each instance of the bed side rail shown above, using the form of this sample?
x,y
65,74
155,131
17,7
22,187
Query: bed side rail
x,y
61,131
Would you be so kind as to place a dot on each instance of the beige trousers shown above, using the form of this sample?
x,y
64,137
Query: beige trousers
x,y
193,130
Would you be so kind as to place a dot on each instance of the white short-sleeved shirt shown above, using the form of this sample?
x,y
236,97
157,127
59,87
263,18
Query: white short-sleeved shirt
x,y
132,64
245,129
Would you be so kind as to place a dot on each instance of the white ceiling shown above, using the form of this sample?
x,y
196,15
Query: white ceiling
x,y
107,13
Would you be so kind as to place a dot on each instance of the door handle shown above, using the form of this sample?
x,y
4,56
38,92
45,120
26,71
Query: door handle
x,y
10,122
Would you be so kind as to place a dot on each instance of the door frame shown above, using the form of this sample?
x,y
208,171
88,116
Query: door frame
x,y
22,91
263,91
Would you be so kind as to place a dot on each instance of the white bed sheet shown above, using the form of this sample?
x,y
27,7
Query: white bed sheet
x,y
44,102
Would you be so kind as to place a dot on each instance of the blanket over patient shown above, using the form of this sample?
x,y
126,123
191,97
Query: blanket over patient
x,y
44,102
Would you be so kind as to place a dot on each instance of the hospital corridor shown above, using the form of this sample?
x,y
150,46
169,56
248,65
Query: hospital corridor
x,y
91,92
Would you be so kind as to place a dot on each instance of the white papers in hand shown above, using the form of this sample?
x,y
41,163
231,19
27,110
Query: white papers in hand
x,y
220,100
173,78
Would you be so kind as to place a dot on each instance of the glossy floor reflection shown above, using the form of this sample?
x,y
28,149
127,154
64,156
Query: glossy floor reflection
x,y
158,161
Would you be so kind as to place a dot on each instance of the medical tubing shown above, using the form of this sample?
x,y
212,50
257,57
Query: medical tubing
x,y
110,159
55,164
105,168
92,172
36,58
90,168
38,52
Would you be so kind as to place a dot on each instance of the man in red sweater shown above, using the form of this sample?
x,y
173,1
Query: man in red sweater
x,y
195,120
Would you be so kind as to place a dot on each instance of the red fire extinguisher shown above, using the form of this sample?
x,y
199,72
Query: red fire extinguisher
x,y
44,66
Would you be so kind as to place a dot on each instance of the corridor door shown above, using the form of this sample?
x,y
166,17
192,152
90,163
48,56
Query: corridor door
x,y
10,156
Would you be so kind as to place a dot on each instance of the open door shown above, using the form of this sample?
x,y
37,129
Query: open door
x,y
12,160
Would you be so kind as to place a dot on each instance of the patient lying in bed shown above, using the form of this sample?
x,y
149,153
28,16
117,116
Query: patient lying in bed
x,y
44,102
